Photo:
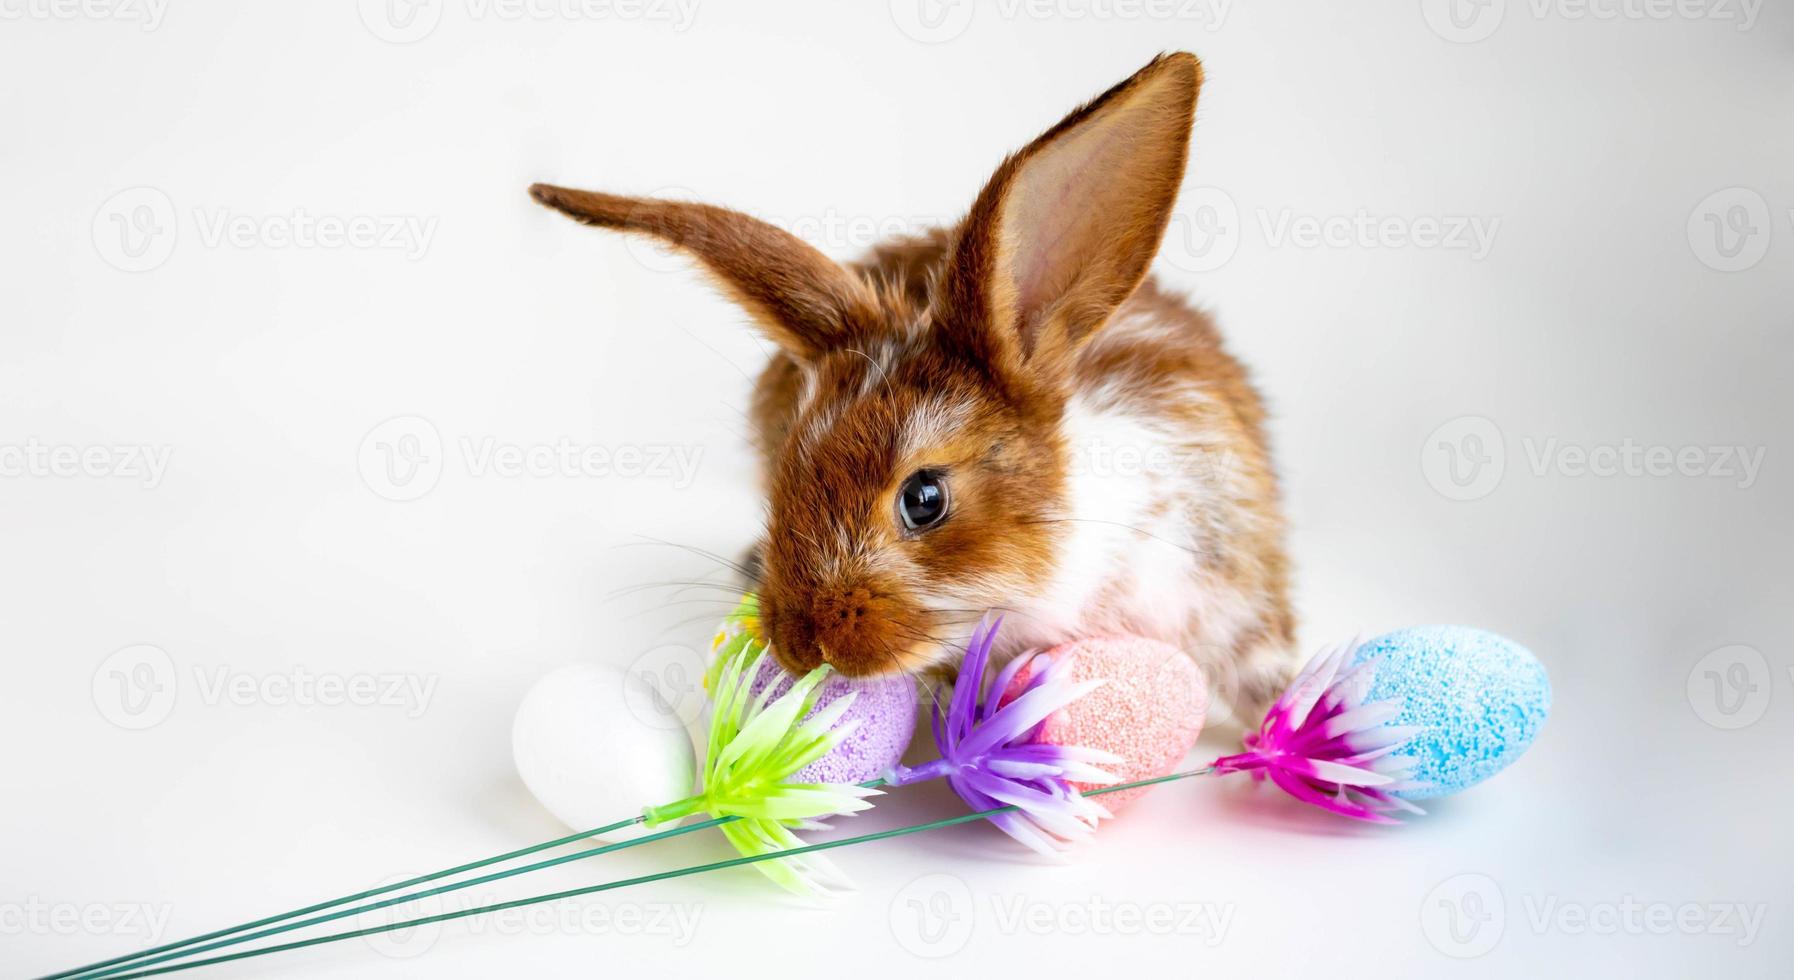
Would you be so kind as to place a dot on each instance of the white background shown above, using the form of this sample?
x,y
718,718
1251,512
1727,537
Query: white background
x,y
1619,302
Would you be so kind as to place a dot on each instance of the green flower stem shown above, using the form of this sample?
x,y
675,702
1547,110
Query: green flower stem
x,y
767,739
654,816
355,897
626,882
400,900
176,950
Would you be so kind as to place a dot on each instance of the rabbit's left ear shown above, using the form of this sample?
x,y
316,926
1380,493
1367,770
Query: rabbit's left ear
x,y
802,300
1067,228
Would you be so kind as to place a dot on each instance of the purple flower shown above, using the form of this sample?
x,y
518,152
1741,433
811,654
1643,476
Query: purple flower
x,y
1323,745
989,755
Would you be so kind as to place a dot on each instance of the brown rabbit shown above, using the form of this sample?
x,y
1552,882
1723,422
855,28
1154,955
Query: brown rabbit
x,y
1009,414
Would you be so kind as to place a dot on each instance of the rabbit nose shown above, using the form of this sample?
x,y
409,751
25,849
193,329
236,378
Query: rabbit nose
x,y
851,627
839,611
848,626
792,644
799,658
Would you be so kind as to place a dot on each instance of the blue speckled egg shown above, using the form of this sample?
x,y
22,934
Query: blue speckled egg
x,y
1479,698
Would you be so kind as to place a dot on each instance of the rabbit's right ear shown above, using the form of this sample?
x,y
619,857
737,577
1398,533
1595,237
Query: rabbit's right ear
x,y
806,302
1065,230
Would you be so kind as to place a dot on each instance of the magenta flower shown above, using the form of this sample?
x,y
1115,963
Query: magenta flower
x,y
989,755
1321,743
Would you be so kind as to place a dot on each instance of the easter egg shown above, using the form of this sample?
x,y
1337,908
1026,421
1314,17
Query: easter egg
x,y
884,707
587,756
1149,710
1480,700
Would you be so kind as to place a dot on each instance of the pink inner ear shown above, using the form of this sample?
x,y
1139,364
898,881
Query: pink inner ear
x,y
1070,203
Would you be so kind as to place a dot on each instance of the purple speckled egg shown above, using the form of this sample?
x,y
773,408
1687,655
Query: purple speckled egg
x,y
885,708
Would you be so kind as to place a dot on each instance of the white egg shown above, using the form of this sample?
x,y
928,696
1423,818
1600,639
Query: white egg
x,y
585,751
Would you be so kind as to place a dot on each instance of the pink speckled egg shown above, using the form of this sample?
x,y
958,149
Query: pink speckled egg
x,y
1149,712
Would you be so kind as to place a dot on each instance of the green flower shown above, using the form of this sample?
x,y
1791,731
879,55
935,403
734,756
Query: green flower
x,y
739,630
756,743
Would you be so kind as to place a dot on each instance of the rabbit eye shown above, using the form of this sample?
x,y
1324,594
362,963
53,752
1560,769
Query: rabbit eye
x,y
922,503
